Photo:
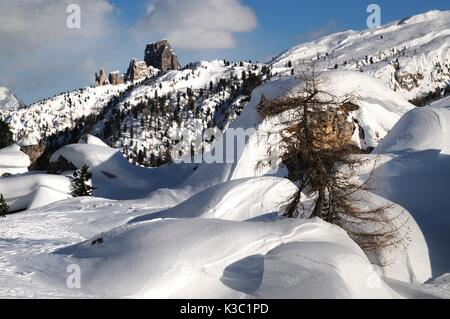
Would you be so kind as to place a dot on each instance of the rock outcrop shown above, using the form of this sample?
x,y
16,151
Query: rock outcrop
x,y
137,70
100,78
115,78
161,56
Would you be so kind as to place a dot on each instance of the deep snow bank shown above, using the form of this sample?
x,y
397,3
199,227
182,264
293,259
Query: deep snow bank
x,y
114,177
417,175
380,109
419,130
13,161
319,269
33,191
239,200
170,258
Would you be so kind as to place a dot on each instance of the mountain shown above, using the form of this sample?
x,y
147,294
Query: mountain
x,y
141,115
8,101
215,229
412,56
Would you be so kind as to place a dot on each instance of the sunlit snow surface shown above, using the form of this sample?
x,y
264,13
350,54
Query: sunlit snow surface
x,y
215,230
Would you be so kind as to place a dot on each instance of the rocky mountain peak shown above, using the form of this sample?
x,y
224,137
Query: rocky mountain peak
x,y
161,56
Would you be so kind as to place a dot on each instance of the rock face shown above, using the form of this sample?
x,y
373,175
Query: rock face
x,y
100,78
34,152
161,56
115,78
137,70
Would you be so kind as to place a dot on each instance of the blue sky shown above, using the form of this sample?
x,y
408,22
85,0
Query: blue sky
x,y
38,64
285,23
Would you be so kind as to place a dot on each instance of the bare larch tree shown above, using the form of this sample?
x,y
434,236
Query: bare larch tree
x,y
321,159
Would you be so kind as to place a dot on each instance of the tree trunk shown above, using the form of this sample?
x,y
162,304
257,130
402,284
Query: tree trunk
x,y
318,208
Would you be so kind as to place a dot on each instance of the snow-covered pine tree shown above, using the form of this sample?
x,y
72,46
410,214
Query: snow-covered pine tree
x,y
4,207
80,184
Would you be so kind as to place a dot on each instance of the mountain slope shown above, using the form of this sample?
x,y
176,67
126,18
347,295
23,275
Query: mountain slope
x,y
411,56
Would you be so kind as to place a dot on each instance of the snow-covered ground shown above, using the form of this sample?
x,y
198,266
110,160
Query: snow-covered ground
x,y
214,230
417,175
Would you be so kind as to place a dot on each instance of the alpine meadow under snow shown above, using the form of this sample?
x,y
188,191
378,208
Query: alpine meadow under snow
x,y
156,228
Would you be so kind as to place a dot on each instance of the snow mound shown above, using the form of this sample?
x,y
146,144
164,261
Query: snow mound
x,y
380,109
114,177
33,191
238,200
169,258
419,130
93,140
320,269
408,261
13,161
417,175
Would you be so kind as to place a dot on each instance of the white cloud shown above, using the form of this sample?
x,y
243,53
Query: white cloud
x,y
30,24
39,54
196,24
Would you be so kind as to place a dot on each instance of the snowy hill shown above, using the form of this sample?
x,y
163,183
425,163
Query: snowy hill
x,y
140,118
416,173
215,228
411,56
8,101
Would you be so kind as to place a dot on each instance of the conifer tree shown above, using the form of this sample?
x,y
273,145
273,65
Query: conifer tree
x,y
4,207
81,182
6,136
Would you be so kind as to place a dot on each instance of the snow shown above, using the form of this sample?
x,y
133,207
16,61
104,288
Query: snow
x,y
33,191
54,115
332,269
114,177
215,230
8,101
181,258
416,173
215,224
420,43
13,161
230,201
420,130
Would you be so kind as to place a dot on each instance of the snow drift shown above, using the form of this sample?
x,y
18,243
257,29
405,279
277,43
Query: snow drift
x,y
416,173
13,161
181,258
33,191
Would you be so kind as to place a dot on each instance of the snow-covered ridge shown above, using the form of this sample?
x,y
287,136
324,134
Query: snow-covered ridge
x,y
412,56
30,125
